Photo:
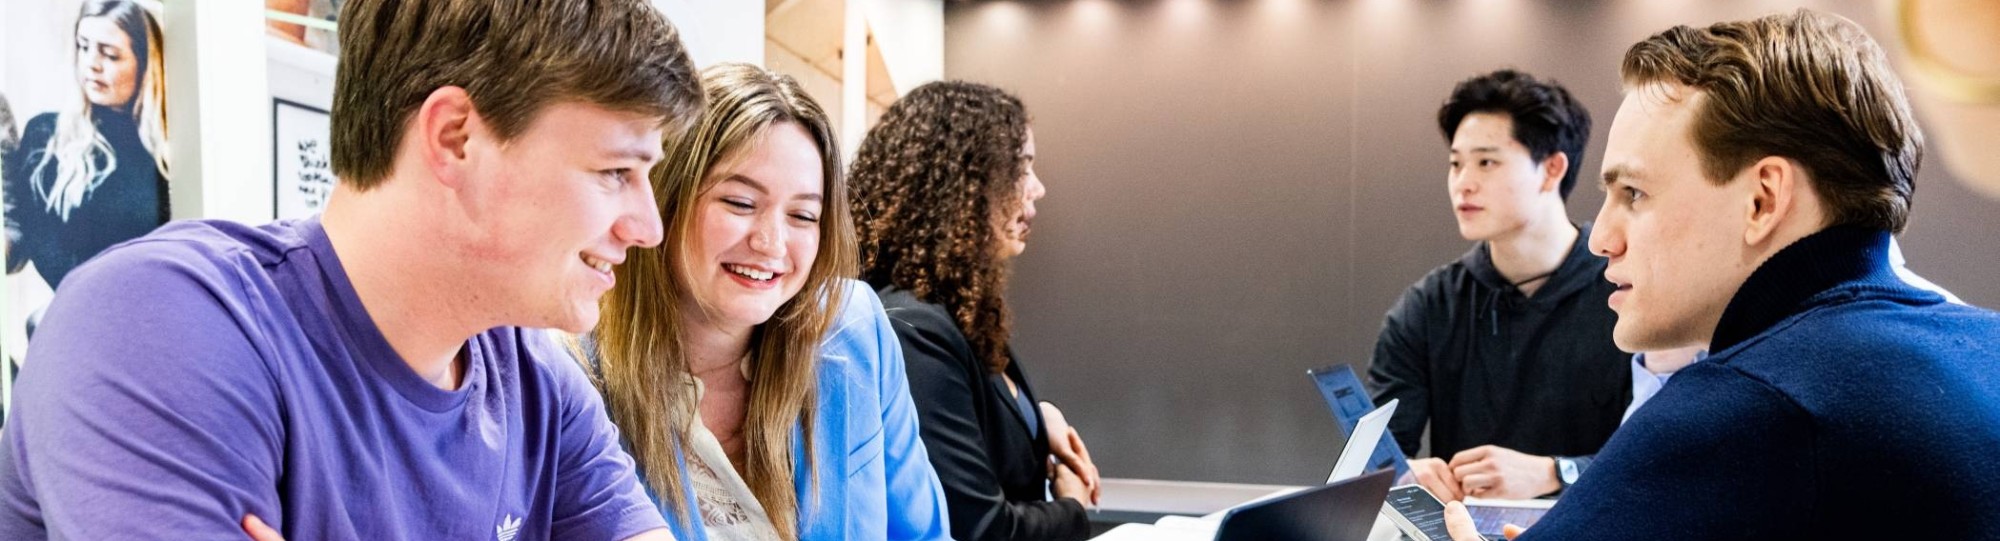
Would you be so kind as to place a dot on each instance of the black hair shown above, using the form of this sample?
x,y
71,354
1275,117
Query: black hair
x,y
1546,118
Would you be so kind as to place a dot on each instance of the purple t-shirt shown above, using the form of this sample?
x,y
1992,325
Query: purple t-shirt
x,y
213,369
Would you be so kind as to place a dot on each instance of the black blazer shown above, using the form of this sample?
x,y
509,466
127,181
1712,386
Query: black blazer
x,y
994,470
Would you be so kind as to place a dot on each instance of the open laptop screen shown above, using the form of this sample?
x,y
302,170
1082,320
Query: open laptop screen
x,y
1349,401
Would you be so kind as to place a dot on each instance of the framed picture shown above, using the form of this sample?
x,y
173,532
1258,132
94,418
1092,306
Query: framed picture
x,y
83,146
300,159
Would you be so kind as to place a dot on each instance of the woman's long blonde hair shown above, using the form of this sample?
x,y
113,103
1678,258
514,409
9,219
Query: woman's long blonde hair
x,y
642,355
76,147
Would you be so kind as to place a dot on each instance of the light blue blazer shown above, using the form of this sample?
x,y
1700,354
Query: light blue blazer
x,y
874,476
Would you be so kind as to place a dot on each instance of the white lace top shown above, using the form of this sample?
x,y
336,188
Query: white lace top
x,y
729,512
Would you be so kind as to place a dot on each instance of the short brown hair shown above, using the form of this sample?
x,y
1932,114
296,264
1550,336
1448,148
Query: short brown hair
x,y
514,58
1804,85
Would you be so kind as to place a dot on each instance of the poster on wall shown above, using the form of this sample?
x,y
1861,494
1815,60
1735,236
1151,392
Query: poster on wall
x,y
301,157
300,46
83,146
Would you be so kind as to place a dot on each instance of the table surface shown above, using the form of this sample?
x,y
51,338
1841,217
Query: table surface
x,y
1141,502
1179,497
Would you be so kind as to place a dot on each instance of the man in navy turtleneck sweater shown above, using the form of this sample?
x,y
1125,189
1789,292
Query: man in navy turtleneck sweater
x,y
1756,171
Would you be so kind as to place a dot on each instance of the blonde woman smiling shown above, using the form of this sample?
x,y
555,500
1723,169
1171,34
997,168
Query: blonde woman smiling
x,y
710,353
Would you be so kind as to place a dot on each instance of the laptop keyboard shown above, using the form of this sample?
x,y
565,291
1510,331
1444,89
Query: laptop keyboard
x,y
1491,519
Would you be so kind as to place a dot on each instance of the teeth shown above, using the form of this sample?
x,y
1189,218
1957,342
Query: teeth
x,y
750,273
599,264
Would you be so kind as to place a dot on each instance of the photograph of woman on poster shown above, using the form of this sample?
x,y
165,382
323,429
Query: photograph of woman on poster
x,y
94,172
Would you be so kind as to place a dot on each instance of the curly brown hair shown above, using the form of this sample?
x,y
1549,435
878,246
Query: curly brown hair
x,y
930,184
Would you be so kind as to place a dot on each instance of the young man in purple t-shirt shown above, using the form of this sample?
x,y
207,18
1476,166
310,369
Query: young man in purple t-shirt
x,y
369,374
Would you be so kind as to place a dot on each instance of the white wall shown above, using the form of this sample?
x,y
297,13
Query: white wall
x,y
218,103
718,31
910,34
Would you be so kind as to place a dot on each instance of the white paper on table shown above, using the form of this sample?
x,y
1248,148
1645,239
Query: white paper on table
x,y
1149,532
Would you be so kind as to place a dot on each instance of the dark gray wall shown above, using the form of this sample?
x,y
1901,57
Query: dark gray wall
x,y
1238,190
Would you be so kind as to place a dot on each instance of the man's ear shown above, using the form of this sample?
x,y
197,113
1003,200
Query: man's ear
x,y
1553,169
1777,185
444,126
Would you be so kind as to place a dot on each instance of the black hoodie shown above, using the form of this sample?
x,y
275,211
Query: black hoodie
x,y
1482,364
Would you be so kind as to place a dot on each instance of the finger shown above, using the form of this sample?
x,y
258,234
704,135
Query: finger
x,y
1073,463
1066,459
1068,455
1062,444
1483,466
1060,447
1441,473
1076,440
1477,483
1096,490
1082,468
1079,441
1425,476
1512,531
1471,455
1066,475
259,531
1410,476
1444,473
1452,490
1083,455
1459,523
1487,492
1096,483
1440,485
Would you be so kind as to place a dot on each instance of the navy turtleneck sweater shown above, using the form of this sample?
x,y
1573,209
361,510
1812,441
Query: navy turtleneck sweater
x,y
1837,403
130,202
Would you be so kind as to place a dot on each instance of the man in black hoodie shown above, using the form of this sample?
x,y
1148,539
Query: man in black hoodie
x,y
1506,353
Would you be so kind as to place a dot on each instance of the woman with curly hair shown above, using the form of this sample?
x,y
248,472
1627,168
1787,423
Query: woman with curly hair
x,y
944,191
758,388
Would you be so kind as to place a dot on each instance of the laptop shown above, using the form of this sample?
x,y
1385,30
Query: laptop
x,y
1351,406
1492,516
1357,455
1349,401
1352,462
1343,511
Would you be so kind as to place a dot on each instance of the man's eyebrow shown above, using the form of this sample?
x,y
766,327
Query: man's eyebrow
x,y
644,154
1620,173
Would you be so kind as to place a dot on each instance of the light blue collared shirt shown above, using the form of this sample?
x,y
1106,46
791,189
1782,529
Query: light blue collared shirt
x,y
1645,383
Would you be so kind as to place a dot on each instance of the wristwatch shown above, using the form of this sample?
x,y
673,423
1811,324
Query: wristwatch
x,y
1568,469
